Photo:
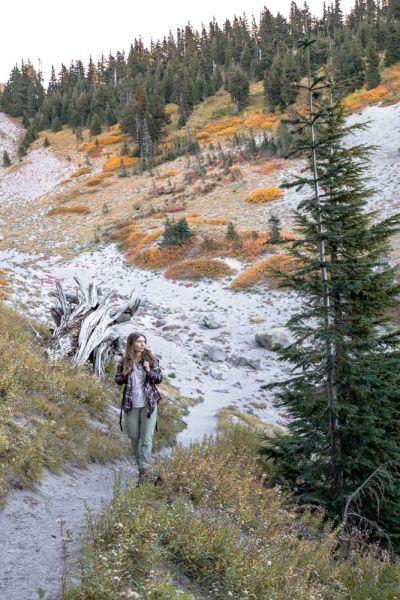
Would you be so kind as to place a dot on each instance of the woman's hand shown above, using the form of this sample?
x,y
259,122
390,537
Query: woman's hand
x,y
146,366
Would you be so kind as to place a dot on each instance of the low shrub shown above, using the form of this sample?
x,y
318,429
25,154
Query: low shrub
x,y
156,257
169,173
114,162
96,179
262,120
3,284
217,528
361,98
262,195
79,172
271,167
199,268
174,208
68,210
262,270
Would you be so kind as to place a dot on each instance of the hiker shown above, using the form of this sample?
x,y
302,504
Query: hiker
x,y
139,370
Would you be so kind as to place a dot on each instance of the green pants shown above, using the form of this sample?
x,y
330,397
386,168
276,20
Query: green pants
x,y
141,430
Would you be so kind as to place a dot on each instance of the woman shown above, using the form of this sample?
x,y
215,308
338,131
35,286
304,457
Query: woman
x,y
139,370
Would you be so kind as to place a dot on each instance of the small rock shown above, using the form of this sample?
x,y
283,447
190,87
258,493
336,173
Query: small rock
x,y
210,322
217,374
171,327
238,385
245,361
160,322
172,375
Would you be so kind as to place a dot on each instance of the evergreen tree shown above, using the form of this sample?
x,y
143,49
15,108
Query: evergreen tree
x,y
274,229
95,125
343,398
372,74
56,124
392,54
46,142
6,159
348,63
231,233
175,234
239,88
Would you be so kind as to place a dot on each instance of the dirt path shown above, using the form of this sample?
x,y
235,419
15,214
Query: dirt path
x,y
30,539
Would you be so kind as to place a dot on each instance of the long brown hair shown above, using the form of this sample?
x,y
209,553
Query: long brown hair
x,y
129,356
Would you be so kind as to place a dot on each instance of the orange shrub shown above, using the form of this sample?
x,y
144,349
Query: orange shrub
x,y
88,146
96,179
202,135
106,139
68,210
270,167
263,269
262,195
263,120
228,131
218,126
157,257
363,97
170,109
198,268
139,239
114,162
79,172
169,173
64,181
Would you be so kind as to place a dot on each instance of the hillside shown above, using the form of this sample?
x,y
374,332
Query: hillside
x,y
81,203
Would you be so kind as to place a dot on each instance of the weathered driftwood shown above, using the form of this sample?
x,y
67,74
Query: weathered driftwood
x,y
86,327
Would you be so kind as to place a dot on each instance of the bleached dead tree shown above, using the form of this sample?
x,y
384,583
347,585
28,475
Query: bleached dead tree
x,y
86,326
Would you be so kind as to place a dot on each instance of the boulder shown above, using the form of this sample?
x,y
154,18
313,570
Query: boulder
x,y
216,353
274,338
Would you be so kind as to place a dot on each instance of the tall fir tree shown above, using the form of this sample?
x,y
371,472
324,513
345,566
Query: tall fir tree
x,y
372,74
343,399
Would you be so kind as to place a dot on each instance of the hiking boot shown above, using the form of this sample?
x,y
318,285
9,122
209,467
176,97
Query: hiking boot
x,y
142,476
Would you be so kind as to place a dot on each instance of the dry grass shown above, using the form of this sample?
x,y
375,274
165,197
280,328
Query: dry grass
x,y
3,284
79,172
169,173
68,210
50,413
199,268
217,528
96,179
263,270
262,195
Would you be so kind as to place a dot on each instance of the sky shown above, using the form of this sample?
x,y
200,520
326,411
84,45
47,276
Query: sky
x,y
55,32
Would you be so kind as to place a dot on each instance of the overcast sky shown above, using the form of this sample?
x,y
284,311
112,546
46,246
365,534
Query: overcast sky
x,y
56,32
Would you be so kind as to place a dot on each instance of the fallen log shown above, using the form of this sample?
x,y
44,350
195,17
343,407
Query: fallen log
x,y
86,327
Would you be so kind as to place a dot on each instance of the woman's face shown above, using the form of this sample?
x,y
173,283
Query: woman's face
x,y
139,344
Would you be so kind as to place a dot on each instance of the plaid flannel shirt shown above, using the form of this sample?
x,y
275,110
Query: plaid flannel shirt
x,y
152,394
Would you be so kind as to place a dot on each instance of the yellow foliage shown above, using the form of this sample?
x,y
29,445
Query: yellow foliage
x,y
261,195
169,173
114,162
171,109
228,131
202,135
139,239
156,257
67,210
218,126
106,139
363,97
88,146
264,268
263,120
79,172
198,268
